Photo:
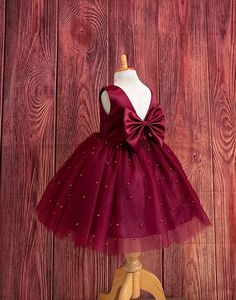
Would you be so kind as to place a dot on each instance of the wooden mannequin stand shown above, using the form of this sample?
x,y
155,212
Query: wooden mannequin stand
x,y
131,279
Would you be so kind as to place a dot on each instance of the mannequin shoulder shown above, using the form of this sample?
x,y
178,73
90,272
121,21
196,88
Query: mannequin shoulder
x,y
106,103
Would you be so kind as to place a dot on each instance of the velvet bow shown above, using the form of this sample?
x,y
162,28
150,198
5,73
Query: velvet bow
x,y
152,126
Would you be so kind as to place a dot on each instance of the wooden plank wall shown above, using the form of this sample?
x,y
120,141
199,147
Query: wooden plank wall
x,y
55,57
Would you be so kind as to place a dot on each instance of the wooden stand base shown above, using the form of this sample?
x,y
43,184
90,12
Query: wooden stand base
x,y
130,279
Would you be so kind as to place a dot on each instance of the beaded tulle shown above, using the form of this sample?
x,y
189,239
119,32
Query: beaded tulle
x,y
123,189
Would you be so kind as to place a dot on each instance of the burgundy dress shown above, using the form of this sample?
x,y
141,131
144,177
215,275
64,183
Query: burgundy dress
x,y
123,189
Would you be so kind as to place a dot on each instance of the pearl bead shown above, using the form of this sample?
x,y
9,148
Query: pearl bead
x,y
59,182
157,165
93,147
98,215
93,235
83,152
107,162
77,224
128,183
106,186
92,152
50,200
149,197
70,184
130,196
115,161
117,224
84,196
176,180
80,174
97,182
148,149
193,201
141,225
61,206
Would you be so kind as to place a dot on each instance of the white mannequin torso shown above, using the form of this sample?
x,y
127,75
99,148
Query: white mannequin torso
x,y
138,93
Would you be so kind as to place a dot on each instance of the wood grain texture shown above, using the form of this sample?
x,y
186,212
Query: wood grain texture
x,y
27,147
54,58
221,35
184,95
186,100
82,69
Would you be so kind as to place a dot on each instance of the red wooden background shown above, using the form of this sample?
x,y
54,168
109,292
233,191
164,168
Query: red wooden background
x,y
55,57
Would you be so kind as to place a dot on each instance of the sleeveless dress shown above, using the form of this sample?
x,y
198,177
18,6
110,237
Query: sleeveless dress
x,y
122,189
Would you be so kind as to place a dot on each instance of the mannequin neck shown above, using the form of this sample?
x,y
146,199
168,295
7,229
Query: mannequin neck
x,y
124,77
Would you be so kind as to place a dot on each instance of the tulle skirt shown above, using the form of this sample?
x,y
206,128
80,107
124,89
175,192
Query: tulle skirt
x,y
112,199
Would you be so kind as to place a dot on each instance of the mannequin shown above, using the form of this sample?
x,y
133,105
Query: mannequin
x,y
134,88
130,279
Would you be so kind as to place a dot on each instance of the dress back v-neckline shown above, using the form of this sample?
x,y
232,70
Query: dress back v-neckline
x,y
131,105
